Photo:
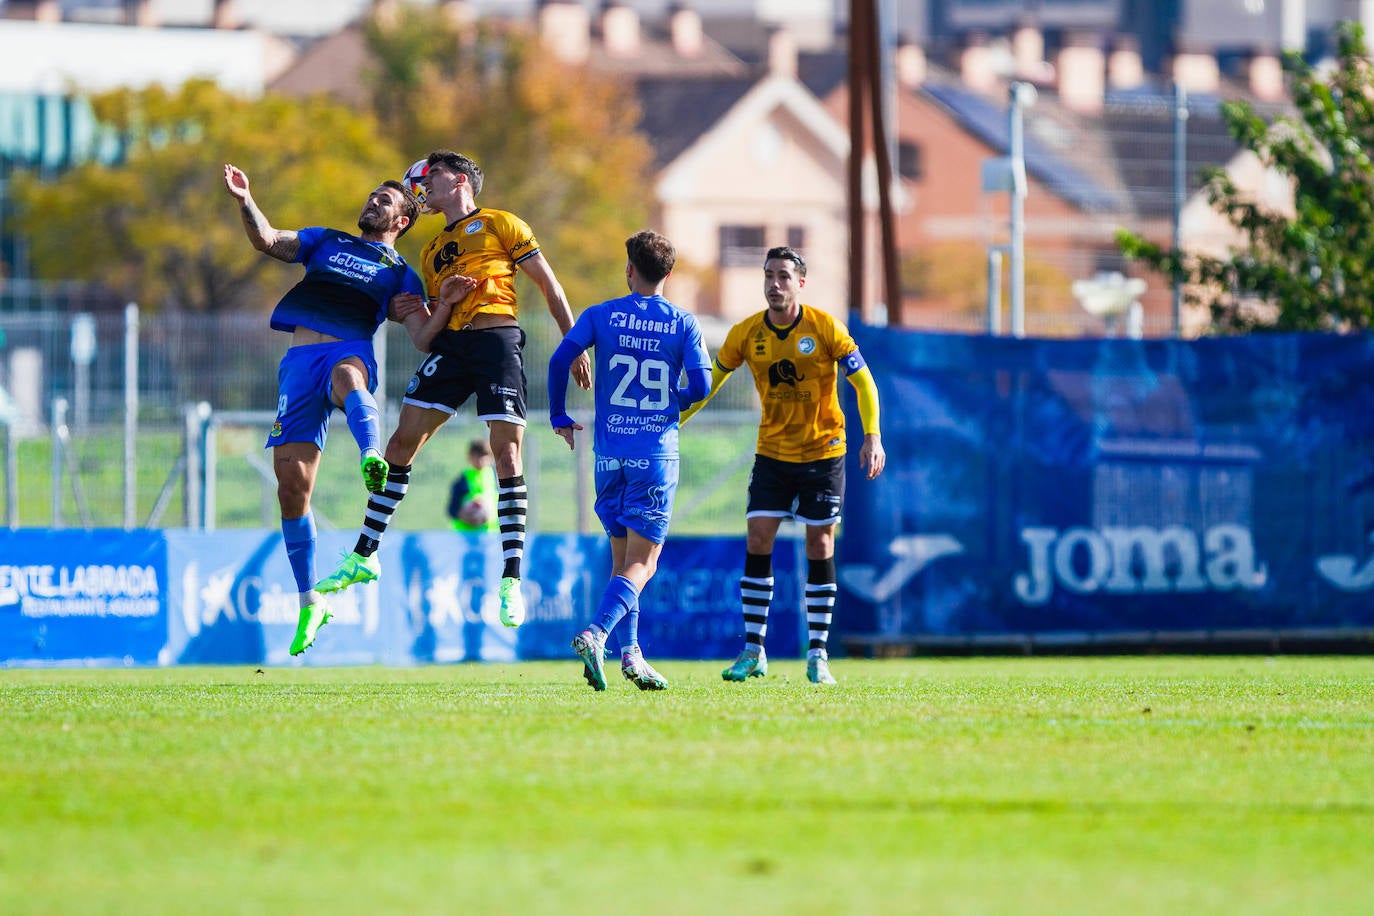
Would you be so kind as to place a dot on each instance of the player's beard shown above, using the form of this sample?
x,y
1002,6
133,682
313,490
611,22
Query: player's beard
x,y
372,222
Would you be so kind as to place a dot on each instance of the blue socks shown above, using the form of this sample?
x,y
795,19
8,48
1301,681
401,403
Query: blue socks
x,y
360,408
620,598
299,535
629,637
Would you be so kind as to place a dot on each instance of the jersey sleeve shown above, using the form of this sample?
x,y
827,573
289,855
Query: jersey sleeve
x,y
428,277
730,356
516,237
841,343
309,240
583,331
694,355
411,283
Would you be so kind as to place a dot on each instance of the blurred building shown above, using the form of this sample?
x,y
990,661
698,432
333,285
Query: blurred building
x,y
745,104
51,47
1231,30
745,157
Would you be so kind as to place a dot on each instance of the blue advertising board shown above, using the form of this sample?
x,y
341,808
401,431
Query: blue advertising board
x,y
691,608
232,600
1066,490
82,596
1091,487
227,597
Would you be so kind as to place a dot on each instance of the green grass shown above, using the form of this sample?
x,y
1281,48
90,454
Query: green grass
x,y
1140,785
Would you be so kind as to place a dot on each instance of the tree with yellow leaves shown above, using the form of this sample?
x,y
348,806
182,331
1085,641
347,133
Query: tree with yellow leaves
x,y
153,225
557,144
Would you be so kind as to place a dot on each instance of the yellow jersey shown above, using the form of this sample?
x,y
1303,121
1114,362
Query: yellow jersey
x,y
486,245
795,375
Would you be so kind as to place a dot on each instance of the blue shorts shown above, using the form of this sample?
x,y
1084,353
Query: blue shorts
x,y
636,494
303,404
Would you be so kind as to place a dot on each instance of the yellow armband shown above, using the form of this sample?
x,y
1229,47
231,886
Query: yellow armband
x,y
862,380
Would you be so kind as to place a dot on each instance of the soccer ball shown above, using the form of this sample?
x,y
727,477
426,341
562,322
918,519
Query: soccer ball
x,y
412,178
474,512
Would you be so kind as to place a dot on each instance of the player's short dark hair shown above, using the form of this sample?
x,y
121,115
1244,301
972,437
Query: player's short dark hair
x,y
783,253
410,205
652,254
479,447
461,164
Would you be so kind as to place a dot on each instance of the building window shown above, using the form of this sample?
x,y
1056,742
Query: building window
x,y
796,237
909,160
742,246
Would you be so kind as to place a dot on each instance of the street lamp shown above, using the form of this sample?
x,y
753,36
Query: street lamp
x,y
1109,295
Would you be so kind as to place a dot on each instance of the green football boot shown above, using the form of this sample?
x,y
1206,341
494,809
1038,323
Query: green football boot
x,y
751,663
354,569
313,616
375,470
513,604
591,648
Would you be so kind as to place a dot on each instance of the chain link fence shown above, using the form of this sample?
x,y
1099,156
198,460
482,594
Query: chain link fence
x,y
120,419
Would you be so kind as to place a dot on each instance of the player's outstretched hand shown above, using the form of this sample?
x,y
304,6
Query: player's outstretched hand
x,y
871,456
236,182
564,425
567,433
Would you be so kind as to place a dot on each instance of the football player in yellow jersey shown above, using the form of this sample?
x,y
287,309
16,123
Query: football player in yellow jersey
x,y
475,348
793,351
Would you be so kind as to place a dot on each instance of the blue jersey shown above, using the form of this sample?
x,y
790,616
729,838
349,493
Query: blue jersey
x,y
347,287
643,344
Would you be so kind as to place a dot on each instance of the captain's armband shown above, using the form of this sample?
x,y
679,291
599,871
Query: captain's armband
x,y
853,363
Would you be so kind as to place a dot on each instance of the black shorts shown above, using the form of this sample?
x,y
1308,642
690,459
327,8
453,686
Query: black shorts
x,y
812,492
489,362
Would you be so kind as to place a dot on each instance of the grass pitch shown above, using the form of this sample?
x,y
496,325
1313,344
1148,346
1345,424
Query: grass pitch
x,y
1135,785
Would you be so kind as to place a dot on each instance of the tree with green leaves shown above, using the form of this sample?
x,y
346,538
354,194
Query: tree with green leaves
x,y
557,144
156,226
1309,270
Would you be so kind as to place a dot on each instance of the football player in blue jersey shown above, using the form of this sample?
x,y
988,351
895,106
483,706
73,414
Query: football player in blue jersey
x,y
643,345
331,314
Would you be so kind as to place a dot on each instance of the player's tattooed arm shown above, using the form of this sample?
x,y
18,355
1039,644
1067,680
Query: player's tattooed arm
x,y
286,247
282,244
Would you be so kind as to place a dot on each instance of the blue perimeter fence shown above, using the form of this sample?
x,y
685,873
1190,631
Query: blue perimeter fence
x,y
1038,493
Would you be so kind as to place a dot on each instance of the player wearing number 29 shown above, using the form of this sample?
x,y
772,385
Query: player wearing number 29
x,y
643,344
793,351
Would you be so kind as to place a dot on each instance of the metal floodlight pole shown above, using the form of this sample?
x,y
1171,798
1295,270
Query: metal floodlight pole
x,y
1021,95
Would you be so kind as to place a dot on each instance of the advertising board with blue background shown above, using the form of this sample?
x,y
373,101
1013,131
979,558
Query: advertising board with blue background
x,y
227,597
1093,487
90,595
1070,490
